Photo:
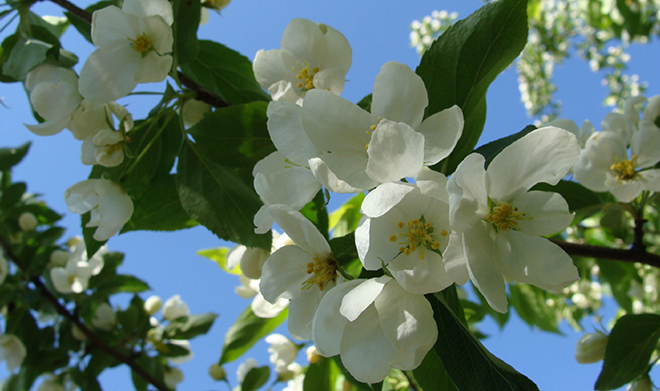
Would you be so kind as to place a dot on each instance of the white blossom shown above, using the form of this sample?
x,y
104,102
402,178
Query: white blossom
x,y
282,351
12,351
72,278
591,348
152,304
244,368
51,383
104,317
172,377
174,308
27,222
217,372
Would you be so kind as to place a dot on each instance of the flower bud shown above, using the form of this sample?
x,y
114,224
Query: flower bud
x,y
591,348
104,317
217,372
643,384
174,308
153,304
313,355
172,377
27,221
58,258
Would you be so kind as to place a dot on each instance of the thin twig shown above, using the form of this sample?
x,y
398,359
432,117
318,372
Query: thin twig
x,y
75,10
76,321
633,255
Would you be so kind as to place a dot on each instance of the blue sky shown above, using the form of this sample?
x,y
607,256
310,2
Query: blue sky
x,y
378,33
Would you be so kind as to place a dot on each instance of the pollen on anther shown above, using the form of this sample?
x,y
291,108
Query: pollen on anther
x,y
392,238
444,232
401,224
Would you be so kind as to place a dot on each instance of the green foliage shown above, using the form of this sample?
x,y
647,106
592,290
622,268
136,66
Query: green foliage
x,y
345,219
255,378
530,303
629,348
431,374
316,212
9,157
184,28
321,376
189,327
219,256
246,331
462,62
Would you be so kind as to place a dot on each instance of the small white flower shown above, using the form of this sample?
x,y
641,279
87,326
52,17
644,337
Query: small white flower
x,y
73,278
27,221
295,384
96,262
282,351
311,56
178,360
175,308
104,317
172,377
58,258
111,208
132,47
153,304
313,355
12,351
498,221
591,348
244,368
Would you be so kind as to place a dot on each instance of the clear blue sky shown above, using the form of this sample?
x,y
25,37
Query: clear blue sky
x,y
378,32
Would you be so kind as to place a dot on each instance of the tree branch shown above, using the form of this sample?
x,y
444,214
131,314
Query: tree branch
x,y
635,254
76,321
203,94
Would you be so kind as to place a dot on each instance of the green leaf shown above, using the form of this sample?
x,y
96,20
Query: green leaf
x,y
247,330
190,326
619,276
22,381
9,157
219,255
225,73
118,283
217,198
159,208
345,219
469,364
460,65
91,244
530,303
581,200
26,54
343,249
493,148
235,137
255,378
365,103
321,376
431,374
349,378
5,51
316,212
12,195
184,28
629,348
56,26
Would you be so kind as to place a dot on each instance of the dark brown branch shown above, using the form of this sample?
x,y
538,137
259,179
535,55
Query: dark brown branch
x,y
203,94
633,255
76,321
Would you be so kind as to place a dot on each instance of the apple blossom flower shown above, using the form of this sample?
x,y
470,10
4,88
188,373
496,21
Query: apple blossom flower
x,y
407,229
72,278
110,207
374,325
282,351
58,258
260,307
175,308
54,96
583,133
96,262
178,360
302,273
312,56
132,47
12,351
296,384
360,150
251,259
27,222
288,372
313,355
498,221
152,304
591,348
172,377
104,317
607,164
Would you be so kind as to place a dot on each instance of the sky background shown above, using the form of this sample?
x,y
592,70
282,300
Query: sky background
x,y
378,33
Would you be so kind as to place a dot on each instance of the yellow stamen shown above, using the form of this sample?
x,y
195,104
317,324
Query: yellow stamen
x,y
625,169
141,44
305,75
418,234
323,272
506,216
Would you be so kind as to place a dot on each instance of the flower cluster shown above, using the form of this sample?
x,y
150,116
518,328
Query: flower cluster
x,y
421,234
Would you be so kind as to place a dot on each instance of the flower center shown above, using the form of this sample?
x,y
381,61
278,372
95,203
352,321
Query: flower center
x,y
323,272
417,233
306,76
625,168
505,216
141,44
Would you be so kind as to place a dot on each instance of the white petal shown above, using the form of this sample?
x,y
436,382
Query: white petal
x,y
153,68
342,173
263,220
420,276
301,313
359,298
295,187
645,144
87,153
339,51
82,197
589,174
88,119
284,273
285,127
433,184
468,201
269,68
395,151
328,325
55,100
441,133
144,8
455,259
111,27
48,128
283,91
332,80
399,95
383,198
534,260
305,41
115,208
263,309
301,231
544,155
548,213
109,74
624,191
159,32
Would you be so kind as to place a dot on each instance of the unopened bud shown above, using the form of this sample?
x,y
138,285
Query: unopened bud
x,y
643,384
153,304
27,221
591,348
313,355
217,372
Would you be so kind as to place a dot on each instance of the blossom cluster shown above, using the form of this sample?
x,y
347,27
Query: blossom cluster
x,y
421,230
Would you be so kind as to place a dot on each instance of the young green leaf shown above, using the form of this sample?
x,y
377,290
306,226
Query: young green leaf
x,y
247,330
190,326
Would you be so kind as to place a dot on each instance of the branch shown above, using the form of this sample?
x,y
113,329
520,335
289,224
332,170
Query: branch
x,y
635,254
76,321
203,94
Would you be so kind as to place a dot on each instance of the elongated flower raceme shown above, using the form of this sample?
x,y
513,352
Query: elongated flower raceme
x,y
498,221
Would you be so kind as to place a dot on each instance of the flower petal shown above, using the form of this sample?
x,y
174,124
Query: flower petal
x,y
455,260
153,68
264,309
383,198
285,127
399,95
468,201
144,8
301,313
112,26
420,276
359,298
548,213
301,231
48,128
328,325
395,151
109,74
441,133
284,273
342,173
433,184
645,144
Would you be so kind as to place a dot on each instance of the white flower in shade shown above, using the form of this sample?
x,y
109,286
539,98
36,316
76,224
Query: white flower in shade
x,y
282,351
58,258
54,96
374,325
27,221
311,56
407,229
591,348
111,208
153,304
296,384
4,268
174,308
302,273
583,133
184,358
51,383
12,351
104,148
361,150
498,221
249,288
132,47
72,278
172,377
244,368
194,110
313,355
289,372
606,164
96,262
643,384
104,317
